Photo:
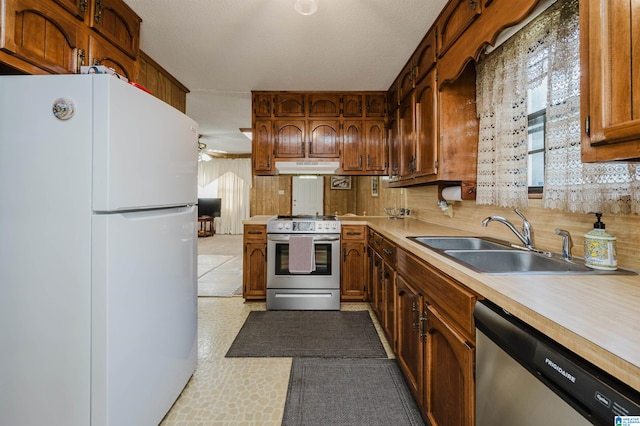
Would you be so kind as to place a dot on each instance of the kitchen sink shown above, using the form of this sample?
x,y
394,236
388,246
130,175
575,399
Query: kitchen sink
x,y
515,262
492,256
461,243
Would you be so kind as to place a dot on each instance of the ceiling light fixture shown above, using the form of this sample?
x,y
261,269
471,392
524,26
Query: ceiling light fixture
x,y
305,7
202,155
247,132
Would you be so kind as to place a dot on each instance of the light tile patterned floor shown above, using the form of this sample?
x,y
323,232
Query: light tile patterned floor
x,y
233,391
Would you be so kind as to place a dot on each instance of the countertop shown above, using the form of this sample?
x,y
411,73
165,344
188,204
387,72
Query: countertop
x,y
597,317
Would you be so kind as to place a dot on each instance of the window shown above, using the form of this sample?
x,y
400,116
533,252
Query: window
x,y
537,117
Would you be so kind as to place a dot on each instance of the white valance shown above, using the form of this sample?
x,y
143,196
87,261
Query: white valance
x,y
208,171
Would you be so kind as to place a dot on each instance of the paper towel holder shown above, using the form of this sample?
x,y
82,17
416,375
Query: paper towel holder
x,y
468,189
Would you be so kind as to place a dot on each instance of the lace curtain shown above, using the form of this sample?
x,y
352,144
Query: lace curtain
x,y
233,178
546,50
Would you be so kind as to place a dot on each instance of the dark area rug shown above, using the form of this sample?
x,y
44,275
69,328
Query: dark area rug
x,y
334,334
348,392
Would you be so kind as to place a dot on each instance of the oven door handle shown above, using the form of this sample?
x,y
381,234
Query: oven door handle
x,y
284,239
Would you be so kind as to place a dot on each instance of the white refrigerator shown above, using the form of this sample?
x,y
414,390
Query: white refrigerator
x,y
98,253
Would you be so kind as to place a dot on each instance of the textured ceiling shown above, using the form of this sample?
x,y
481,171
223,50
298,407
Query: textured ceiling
x,y
223,49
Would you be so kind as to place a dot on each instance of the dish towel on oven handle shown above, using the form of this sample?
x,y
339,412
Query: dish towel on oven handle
x,y
302,254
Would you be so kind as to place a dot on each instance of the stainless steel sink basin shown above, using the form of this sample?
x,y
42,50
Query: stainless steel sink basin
x,y
493,256
460,243
515,261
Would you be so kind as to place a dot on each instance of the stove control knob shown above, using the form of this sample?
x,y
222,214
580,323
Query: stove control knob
x,y
319,225
280,226
287,226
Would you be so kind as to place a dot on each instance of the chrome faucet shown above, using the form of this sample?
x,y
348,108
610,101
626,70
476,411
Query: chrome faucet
x,y
567,243
526,236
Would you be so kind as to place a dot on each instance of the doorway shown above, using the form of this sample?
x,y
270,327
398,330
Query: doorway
x,y
307,195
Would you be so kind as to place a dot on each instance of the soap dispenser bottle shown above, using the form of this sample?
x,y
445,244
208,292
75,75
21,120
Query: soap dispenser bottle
x,y
600,247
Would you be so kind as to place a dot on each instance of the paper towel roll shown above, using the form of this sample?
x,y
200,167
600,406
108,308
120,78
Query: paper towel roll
x,y
452,193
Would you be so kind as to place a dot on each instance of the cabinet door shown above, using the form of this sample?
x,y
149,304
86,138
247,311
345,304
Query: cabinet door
x,y
610,54
449,383
427,126
289,139
407,158
324,105
454,19
78,8
324,139
424,58
378,294
254,271
43,34
254,266
352,106
376,105
409,349
118,23
375,146
103,53
289,105
389,288
352,273
262,105
352,146
262,147
405,81
393,142
162,84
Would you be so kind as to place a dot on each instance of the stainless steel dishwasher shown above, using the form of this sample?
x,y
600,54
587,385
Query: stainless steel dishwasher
x,y
524,378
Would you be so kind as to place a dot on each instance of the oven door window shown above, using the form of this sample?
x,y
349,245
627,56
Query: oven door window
x,y
323,259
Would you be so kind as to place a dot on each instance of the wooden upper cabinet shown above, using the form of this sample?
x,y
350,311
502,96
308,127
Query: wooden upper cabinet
x,y
456,17
393,96
352,145
324,139
42,34
289,138
407,152
376,105
324,105
424,58
160,83
375,146
406,81
352,105
427,125
610,58
290,105
262,105
262,147
101,53
116,22
393,144
78,8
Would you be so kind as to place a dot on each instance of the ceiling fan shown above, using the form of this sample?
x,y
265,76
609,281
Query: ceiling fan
x,y
202,154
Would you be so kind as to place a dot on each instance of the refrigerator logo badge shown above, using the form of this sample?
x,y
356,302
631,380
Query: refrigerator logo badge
x,y
63,108
626,420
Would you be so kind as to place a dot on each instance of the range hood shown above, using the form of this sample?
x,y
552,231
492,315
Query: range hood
x,y
307,167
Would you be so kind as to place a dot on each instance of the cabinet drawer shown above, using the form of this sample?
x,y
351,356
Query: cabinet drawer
x,y
376,242
388,252
450,298
353,232
255,233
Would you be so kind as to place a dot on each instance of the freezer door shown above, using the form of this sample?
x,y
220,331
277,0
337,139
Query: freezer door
x,y
144,150
143,308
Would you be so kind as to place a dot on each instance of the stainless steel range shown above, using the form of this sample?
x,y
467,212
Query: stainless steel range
x,y
303,273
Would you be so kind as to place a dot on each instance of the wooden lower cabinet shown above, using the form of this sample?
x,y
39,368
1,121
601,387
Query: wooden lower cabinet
x,y
435,341
449,386
409,350
254,265
354,263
